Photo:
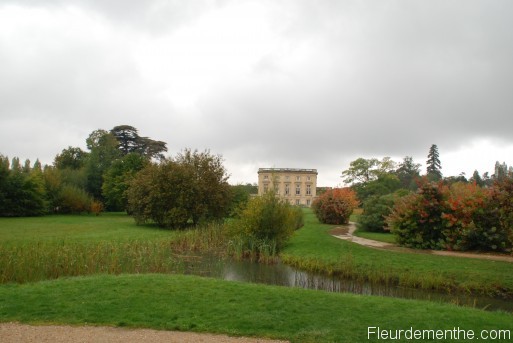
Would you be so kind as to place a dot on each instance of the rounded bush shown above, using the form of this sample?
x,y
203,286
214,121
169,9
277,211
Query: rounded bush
x,y
335,206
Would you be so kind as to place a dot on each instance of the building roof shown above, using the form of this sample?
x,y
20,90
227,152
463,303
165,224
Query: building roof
x,y
286,170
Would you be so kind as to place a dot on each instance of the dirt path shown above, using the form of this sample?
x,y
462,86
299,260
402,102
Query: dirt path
x,y
20,333
346,233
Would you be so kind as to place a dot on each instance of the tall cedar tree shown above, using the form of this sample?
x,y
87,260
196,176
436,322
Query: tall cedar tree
x,y
129,141
433,164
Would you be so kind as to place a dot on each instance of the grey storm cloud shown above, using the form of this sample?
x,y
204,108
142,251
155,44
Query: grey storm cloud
x,y
309,84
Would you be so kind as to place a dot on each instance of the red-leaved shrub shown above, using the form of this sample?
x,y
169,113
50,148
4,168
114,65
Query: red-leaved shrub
x,y
335,206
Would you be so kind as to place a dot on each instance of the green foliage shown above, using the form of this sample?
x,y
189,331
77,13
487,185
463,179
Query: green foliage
x,y
172,193
502,201
385,184
265,219
375,210
70,158
240,195
72,199
117,179
22,191
364,170
433,164
210,190
335,206
160,193
104,151
408,172
129,141
477,179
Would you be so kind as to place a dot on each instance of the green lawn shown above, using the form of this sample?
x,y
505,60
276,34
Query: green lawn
x,y
314,249
56,247
376,236
78,228
188,303
41,248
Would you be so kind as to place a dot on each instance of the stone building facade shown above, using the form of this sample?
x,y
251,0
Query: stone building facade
x,y
297,186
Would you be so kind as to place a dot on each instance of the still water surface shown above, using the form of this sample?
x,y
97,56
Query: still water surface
x,y
283,275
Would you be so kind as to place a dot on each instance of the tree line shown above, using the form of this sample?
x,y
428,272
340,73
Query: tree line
x,y
433,211
123,171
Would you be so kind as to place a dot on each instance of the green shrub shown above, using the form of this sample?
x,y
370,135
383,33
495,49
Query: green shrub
x,y
72,199
375,210
335,206
191,189
161,193
265,220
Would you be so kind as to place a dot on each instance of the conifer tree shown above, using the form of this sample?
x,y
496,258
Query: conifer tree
x,y
433,164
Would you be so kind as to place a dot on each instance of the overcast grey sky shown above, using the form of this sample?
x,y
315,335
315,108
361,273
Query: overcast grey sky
x,y
265,83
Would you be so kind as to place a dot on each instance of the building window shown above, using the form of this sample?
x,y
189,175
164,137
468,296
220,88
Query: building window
x,y
308,189
277,190
308,178
266,177
298,189
308,202
287,178
298,178
287,189
265,189
298,202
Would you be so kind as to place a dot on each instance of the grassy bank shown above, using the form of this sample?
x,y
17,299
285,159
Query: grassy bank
x,y
207,305
312,248
34,249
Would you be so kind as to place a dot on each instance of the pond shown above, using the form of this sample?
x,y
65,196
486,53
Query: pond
x,y
282,275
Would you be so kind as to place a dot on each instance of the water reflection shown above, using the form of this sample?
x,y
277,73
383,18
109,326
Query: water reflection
x,y
283,275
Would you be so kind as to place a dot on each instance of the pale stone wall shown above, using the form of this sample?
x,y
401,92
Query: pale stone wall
x,y
297,186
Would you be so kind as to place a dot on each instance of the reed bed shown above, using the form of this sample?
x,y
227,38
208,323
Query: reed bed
x,y
247,247
50,260
42,260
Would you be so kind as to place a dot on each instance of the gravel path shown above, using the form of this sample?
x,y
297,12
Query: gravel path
x,y
21,333
346,233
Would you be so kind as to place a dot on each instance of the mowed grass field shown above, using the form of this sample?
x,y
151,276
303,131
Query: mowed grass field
x,y
102,271
77,228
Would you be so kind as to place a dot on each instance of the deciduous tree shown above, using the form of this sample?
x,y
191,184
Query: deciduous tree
x,y
193,187
117,178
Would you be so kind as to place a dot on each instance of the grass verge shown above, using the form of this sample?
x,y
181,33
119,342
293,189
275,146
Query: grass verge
x,y
187,303
313,249
376,236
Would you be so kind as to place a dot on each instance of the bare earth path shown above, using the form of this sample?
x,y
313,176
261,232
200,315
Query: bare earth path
x,y
346,233
21,333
